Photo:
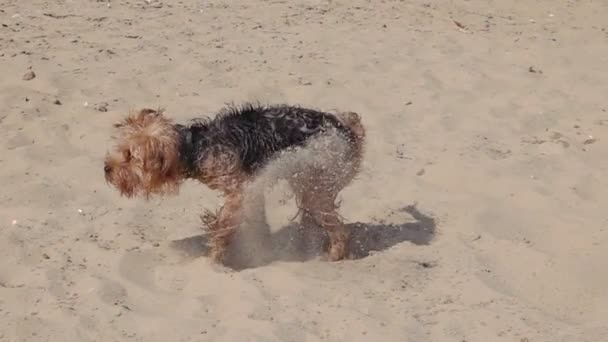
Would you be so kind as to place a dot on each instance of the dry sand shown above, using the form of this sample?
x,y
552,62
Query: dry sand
x,y
490,116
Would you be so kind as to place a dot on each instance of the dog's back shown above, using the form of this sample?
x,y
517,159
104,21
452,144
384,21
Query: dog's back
x,y
259,132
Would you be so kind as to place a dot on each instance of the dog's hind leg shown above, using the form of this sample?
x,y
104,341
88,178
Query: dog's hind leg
x,y
319,207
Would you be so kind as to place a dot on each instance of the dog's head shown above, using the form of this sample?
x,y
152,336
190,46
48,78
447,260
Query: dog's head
x,y
146,158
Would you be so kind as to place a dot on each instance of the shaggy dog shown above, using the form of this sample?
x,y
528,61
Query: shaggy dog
x,y
154,156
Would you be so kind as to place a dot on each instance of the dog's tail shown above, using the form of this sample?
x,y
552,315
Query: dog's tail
x,y
352,121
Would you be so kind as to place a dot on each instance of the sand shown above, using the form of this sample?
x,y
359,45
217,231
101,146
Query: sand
x,y
480,213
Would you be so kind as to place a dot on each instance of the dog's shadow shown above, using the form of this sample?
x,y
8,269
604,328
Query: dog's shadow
x,y
297,243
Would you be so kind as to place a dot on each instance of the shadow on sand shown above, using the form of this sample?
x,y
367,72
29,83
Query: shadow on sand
x,y
296,243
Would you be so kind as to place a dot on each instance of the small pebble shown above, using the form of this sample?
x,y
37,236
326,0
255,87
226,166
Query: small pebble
x,y
28,76
589,140
57,102
14,222
425,264
102,107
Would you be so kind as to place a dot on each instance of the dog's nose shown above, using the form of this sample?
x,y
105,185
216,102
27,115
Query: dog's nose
x,y
107,168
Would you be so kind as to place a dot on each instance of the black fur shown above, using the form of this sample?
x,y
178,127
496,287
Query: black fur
x,y
255,132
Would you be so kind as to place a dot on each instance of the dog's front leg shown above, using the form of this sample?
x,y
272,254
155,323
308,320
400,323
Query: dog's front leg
x,y
224,226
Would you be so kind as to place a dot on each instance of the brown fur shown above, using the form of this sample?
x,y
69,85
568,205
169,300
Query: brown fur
x,y
146,159
149,159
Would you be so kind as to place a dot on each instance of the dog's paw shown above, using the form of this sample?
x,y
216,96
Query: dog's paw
x,y
337,251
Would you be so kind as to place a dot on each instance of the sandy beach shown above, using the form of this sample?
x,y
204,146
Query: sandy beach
x,y
479,215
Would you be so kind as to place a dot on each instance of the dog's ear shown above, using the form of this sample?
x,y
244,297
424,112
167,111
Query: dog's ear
x,y
154,146
160,165
159,155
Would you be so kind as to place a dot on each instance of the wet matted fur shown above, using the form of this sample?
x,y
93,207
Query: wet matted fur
x,y
318,153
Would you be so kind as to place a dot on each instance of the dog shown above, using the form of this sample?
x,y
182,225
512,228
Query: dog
x,y
154,156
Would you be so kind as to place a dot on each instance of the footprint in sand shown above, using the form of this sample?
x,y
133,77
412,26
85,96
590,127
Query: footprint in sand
x,y
154,269
139,267
112,292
